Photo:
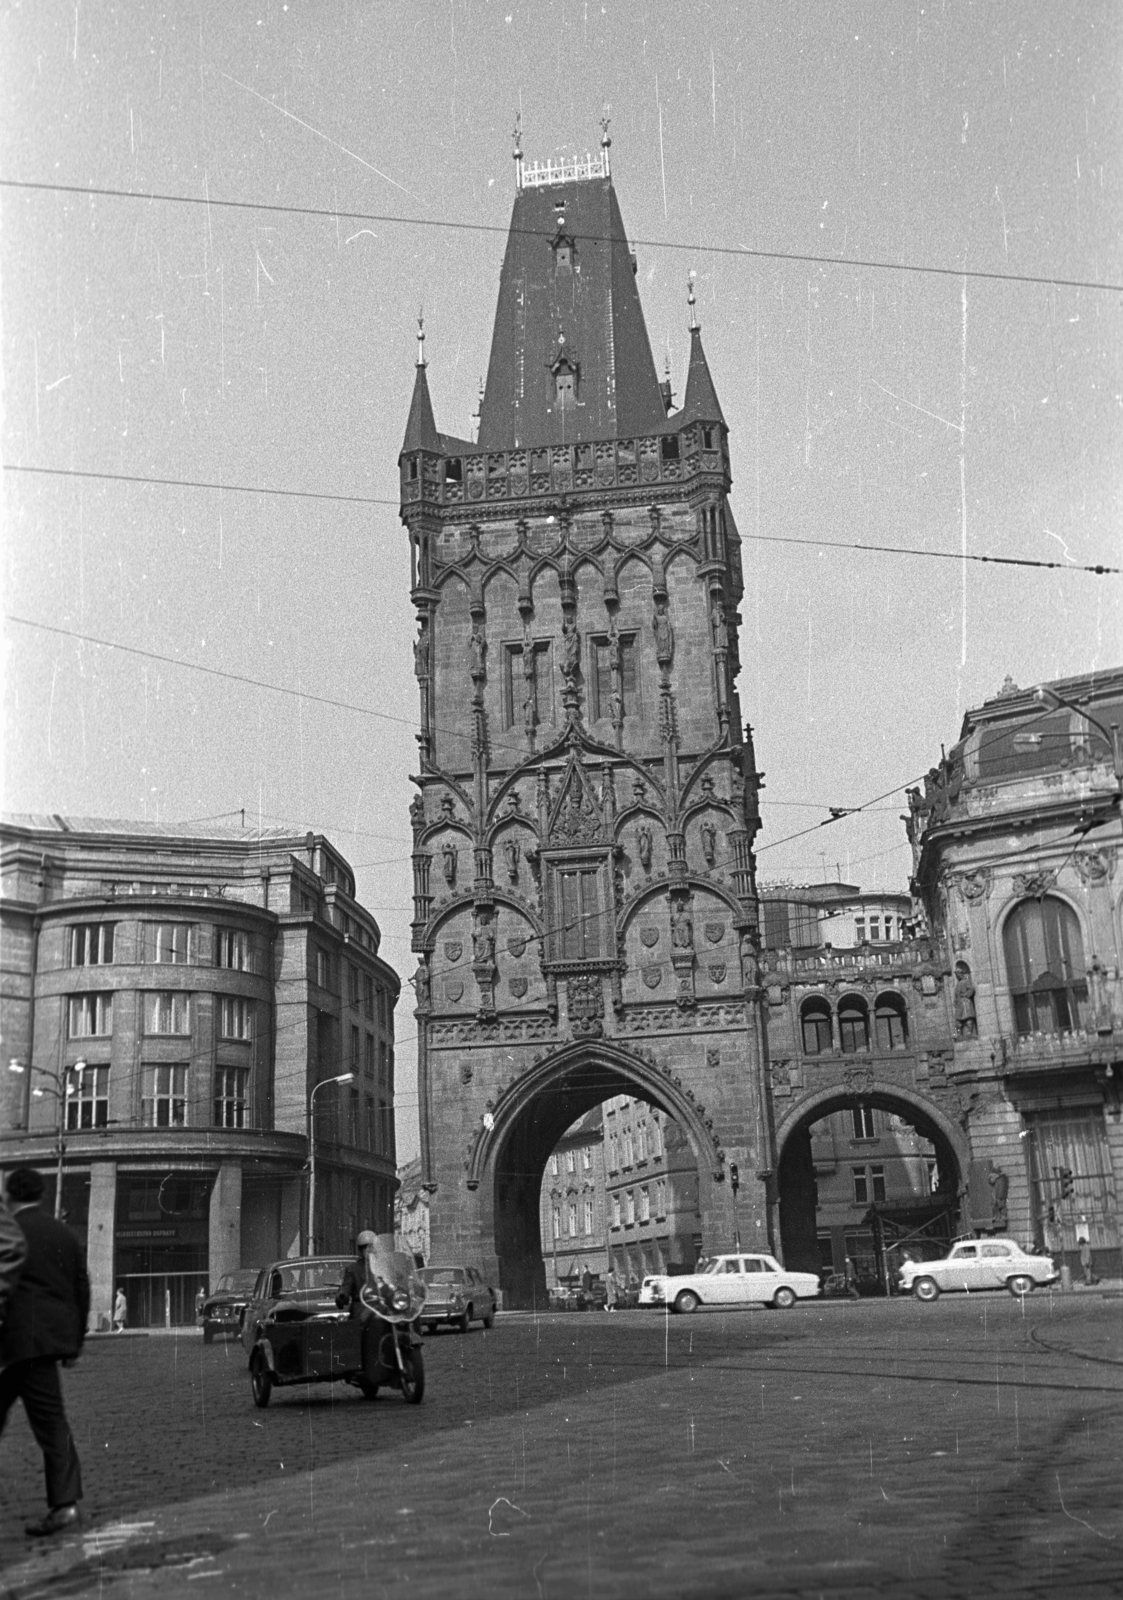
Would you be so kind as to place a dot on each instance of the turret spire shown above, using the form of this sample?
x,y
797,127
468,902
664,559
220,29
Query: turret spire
x,y
421,362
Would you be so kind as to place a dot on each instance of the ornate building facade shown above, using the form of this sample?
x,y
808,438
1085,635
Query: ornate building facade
x,y
172,1001
584,903
1017,841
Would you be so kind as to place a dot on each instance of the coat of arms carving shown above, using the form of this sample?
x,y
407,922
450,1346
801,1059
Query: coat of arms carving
x,y
453,949
519,987
516,946
653,977
586,1003
454,989
717,971
649,936
714,931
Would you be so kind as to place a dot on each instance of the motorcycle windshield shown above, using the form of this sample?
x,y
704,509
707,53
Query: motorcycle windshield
x,y
394,1287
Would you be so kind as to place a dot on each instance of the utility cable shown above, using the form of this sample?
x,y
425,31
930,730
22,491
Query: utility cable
x,y
740,250
1098,569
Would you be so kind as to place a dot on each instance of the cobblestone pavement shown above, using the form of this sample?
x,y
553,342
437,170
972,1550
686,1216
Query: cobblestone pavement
x,y
966,1448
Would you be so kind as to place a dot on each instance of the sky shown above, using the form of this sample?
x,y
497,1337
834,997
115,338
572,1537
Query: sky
x,y
273,349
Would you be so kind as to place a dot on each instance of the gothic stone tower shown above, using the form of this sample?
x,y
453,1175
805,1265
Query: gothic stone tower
x,y
584,898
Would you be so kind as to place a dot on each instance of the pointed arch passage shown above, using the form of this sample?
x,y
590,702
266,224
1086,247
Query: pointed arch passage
x,y
512,1144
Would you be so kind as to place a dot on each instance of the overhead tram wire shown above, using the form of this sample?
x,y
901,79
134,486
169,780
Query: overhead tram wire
x,y
1097,569
386,220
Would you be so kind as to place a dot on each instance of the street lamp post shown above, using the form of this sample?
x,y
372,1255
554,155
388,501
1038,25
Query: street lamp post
x,y
342,1077
735,1184
60,1082
1048,696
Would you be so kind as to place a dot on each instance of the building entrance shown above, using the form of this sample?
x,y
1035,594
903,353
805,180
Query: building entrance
x,y
162,1245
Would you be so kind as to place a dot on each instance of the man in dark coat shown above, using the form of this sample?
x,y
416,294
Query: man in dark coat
x,y
45,1323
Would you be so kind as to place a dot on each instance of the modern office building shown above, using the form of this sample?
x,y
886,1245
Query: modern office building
x,y
193,1022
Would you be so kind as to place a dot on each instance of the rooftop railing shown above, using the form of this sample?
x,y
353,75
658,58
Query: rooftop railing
x,y
550,470
567,169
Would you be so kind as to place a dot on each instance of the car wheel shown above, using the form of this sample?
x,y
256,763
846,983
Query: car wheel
x,y
687,1301
784,1298
464,1321
261,1380
413,1376
208,1335
1019,1285
926,1289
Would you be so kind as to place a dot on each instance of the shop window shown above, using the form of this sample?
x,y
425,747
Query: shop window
x,y
891,1022
91,944
1045,966
89,1016
853,1025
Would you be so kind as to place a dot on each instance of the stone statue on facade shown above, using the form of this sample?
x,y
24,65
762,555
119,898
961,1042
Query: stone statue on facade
x,y
966,1022
682,928
477,655
422,986
645,844
664,636
448,861
511,856
570,650
709,842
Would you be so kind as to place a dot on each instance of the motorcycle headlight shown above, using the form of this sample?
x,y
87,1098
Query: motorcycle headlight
x,y
400,1301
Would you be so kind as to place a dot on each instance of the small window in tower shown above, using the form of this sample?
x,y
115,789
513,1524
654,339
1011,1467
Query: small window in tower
x,y
413,469
563,255
670,447
565,388
454,471
707,438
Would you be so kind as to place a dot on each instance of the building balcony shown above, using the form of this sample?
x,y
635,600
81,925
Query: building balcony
x,y
878,960
1032,1053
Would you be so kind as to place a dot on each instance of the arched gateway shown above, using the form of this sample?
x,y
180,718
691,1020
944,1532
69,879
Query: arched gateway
x,y
585,910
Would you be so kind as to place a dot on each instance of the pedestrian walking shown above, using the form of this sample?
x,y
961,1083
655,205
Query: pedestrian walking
x,y
120,1311
1086,1261
610,1288
200,1302
45,1323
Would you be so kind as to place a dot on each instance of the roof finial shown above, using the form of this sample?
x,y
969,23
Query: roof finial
x,y
690,300
517,135
605,142
421,362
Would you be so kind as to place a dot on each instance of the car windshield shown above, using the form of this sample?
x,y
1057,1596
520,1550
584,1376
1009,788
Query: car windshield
x,y
308,1277
443,1274
236,1282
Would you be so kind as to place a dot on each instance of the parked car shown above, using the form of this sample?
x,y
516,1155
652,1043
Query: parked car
x,y
457,1296
975,1264
224,1306
733,1280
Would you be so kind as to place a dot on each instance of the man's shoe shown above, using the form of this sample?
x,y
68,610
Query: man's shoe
x,y
58,1520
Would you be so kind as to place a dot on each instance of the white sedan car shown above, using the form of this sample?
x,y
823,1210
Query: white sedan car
x,y
735,1280
975,1264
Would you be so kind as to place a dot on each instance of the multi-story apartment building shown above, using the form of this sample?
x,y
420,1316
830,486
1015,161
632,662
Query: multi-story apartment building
x,y
572,1206
189,1016
651,1191
1016,837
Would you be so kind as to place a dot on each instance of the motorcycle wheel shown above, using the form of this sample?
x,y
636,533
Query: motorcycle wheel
x,y
412,1376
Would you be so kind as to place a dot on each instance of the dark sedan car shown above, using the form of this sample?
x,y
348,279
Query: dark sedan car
x,y
225,1306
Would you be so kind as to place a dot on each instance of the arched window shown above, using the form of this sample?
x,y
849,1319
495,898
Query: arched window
x,y
1045,966
891,1022
815,1019
853,1024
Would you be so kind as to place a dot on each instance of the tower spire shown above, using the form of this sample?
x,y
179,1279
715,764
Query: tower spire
x,y
517,135
606,143
421,362
690,301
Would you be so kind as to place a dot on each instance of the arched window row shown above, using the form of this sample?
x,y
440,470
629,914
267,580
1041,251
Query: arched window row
x,y
851,1028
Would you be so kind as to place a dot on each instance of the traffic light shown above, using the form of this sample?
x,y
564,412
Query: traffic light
x,y
734,1176
1065,1176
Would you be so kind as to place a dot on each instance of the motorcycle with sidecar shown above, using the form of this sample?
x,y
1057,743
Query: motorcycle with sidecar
x,y
295,1330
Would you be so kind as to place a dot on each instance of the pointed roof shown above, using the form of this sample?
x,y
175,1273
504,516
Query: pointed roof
x,y
421,429
582,301
700,403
